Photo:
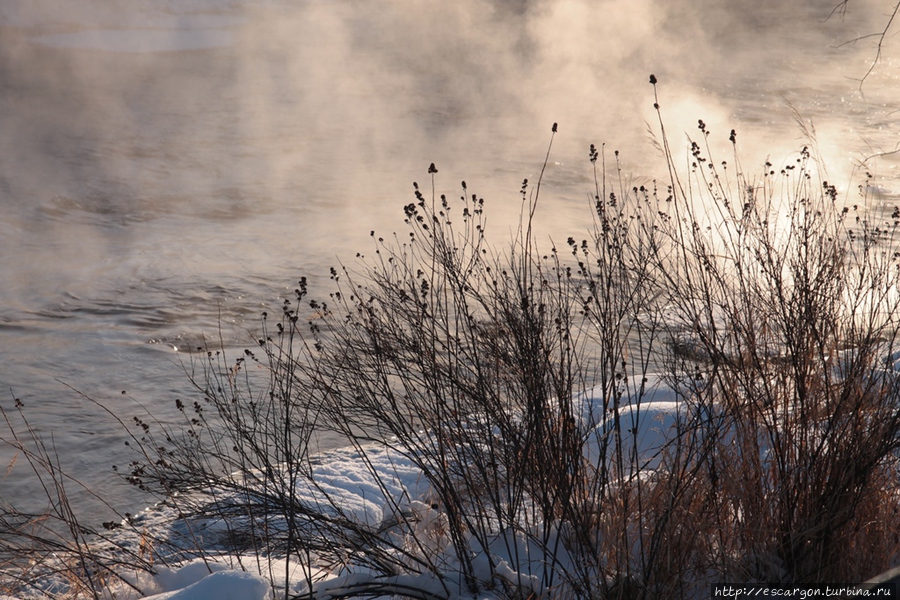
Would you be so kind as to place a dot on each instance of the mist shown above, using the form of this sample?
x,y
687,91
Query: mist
x,y
169,166
157,103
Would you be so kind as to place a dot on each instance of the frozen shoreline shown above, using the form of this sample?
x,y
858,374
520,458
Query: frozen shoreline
x,y
378,490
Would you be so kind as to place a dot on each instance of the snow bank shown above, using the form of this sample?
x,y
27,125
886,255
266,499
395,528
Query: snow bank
x,y
644,423
384,488
221,585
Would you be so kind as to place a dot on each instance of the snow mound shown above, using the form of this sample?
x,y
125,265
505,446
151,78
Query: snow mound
x,y
222,585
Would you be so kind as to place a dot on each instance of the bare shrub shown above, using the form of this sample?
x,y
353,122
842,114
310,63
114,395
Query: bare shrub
x,y
700,388
791,299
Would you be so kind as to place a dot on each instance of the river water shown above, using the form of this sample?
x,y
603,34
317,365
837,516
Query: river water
x,y
170,168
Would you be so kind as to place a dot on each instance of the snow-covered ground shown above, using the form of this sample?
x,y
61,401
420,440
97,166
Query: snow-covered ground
x,y
370,490
378,488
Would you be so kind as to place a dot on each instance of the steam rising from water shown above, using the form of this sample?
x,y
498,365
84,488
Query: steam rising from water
x,y
336,100
171,163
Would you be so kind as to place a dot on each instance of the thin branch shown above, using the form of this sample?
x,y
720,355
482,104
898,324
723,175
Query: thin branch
x,y
881,36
